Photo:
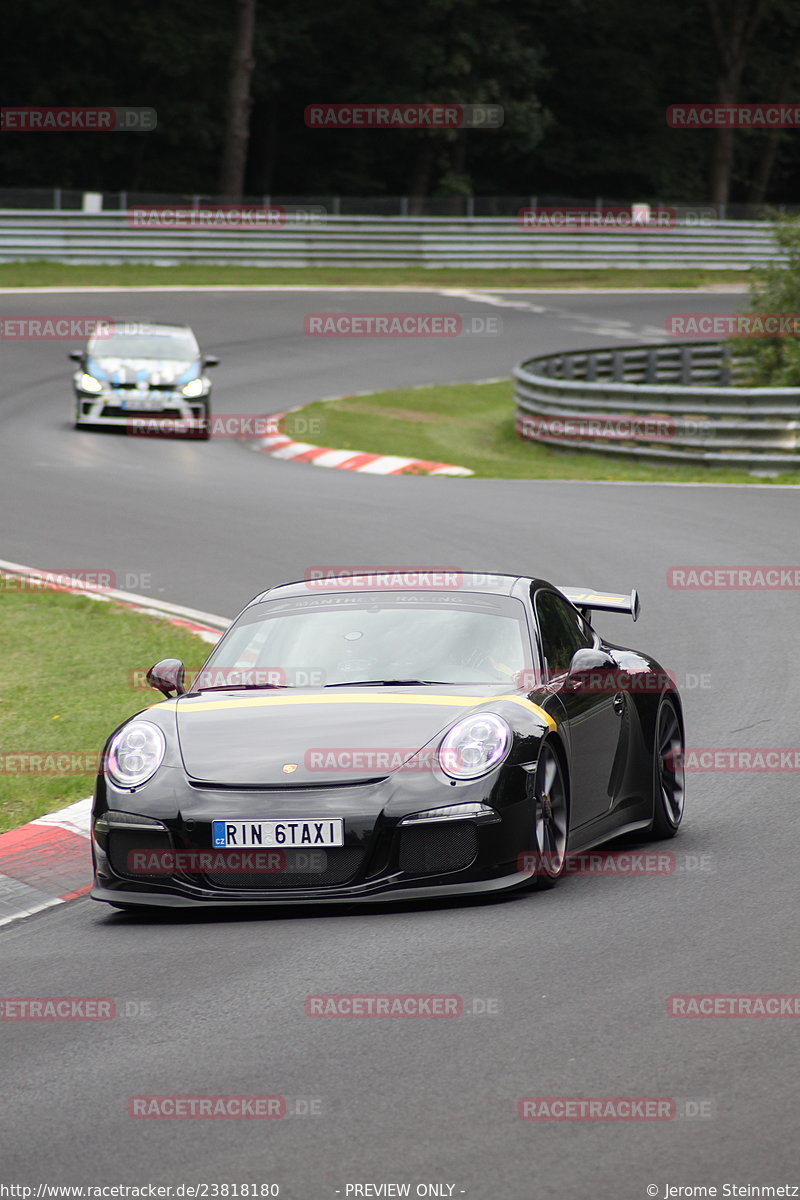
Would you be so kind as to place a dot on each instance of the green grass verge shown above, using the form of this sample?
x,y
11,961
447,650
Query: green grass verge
x,y
472,425
49,274
65,685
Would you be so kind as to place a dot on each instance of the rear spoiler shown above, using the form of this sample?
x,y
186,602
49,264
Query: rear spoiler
x,y
585,600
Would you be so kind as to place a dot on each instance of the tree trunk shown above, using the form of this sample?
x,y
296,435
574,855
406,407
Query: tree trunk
x,y
766,164
421,174
734,25
237,113
722,151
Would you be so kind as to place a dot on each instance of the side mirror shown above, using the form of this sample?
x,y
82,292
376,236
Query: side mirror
x,y
585,662
167,677
211,360
77,356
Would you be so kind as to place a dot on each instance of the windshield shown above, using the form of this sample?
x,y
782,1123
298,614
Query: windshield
x,y
172,345
342,639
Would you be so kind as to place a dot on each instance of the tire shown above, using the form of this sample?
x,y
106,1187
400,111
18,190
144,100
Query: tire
x,y
203,415
668,774
551,819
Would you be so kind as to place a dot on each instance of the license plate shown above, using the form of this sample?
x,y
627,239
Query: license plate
x,y
250,834
142,401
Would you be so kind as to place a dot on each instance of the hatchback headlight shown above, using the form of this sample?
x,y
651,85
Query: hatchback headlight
x,y
135,754
88,383
193,389
474,746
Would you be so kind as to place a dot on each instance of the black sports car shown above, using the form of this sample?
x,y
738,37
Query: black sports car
x,y
389,737
143,377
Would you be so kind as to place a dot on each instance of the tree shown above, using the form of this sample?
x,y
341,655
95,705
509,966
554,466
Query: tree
x,y
775,361
734,24
237,113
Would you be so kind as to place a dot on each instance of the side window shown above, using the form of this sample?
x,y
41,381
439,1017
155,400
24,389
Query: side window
x,y
562,631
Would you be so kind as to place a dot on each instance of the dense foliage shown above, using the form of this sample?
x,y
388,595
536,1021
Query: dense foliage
x,y
584,83
775,361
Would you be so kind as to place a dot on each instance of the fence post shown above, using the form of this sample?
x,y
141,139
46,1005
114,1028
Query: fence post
x,y
725,366
651,369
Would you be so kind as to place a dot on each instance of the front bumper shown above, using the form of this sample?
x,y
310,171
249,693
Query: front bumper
x,y
383,857
389,893
128,408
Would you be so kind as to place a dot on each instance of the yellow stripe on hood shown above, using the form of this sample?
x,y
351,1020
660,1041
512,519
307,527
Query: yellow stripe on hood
x,y
349,698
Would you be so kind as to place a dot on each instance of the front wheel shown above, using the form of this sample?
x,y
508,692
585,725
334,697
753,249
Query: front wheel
x,y
202,417
551,819
668,772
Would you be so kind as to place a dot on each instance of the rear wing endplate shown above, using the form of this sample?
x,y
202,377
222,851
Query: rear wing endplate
x,y
585,600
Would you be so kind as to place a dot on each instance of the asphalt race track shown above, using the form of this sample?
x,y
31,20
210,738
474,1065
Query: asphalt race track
x,y
576,980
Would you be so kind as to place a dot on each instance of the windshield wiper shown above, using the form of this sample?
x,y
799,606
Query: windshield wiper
x,y
386,683
241,687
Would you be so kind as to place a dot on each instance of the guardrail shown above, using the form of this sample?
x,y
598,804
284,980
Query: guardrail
x,y
313,240
677,401
502,205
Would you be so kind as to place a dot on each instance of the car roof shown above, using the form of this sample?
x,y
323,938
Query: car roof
x,y
326,581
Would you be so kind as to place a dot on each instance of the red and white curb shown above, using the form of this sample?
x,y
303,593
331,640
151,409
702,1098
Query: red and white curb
x,y
45,862
48,861
281,446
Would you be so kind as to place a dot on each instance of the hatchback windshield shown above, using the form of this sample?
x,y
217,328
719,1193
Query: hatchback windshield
x,y
178,344
459,639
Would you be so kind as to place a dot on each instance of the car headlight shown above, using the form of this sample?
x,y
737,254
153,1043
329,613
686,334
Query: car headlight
x,y
135,754
474,746
193,389
88,383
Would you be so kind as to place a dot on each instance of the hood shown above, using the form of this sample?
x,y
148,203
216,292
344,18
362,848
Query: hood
x,y
153,371
339,736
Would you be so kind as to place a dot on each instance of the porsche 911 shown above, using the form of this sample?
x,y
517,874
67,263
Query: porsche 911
x,y
366,739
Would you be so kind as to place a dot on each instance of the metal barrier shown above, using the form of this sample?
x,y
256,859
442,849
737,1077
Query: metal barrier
x,y
676,402
311,239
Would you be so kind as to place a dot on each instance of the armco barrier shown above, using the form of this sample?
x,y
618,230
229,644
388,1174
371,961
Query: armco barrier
x,y
338,241
677,399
